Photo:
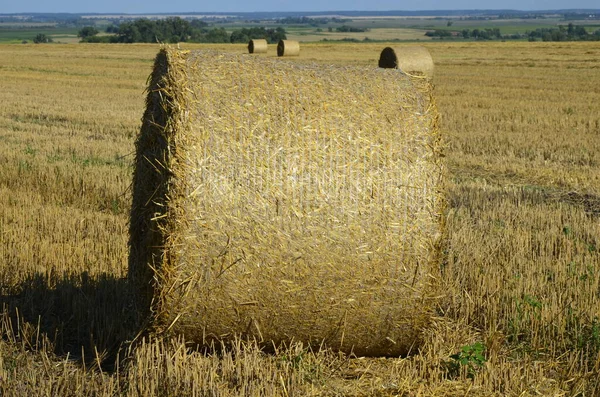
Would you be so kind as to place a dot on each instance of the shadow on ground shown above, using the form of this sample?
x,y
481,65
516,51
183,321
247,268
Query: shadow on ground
x,y
87,318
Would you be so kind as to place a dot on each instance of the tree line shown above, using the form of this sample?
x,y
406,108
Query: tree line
x,y
176,30
476,34
570,32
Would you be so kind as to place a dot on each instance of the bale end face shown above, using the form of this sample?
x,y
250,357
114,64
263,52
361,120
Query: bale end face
x,y
388,59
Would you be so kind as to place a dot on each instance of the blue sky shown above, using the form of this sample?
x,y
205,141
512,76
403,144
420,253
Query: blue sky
x,y
168,6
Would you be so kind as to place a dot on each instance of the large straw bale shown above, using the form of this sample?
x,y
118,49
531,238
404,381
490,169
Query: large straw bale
x,y
281,202
257,46
410,59
287,48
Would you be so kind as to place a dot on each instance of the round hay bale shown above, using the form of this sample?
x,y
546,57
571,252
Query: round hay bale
x,y
280,201
414,60
287,48
257,46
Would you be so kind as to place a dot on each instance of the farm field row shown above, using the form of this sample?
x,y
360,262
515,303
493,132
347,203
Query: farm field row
x,y
521,314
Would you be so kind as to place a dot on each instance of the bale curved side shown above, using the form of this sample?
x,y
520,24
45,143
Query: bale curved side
x,y
257,46
288,48
273,209
412,60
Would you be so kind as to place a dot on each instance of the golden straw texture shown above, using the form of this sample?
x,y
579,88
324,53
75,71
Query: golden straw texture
x,y
414,60
257,46
281,202
287,48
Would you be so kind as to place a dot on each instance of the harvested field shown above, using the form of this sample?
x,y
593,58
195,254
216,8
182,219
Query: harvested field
x,y
522,122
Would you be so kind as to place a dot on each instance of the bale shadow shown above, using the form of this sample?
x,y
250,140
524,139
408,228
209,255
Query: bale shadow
x,y
86,318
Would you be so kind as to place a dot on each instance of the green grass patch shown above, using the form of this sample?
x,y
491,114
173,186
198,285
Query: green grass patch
x,y
18,35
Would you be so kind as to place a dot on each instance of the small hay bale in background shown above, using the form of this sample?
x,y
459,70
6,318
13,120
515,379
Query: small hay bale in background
x,y
287,48
257,46
282,201
412,60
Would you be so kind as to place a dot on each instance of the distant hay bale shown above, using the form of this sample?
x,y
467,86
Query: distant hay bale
x,y
411,60
281,201
257,46
287,48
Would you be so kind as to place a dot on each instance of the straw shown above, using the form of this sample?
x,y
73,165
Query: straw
x,y
278,202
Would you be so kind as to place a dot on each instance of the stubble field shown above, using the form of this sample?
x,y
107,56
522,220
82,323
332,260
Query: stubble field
x,y
521,315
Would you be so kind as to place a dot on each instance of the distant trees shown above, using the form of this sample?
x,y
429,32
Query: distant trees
x,y
215,35
175,30
441,33
481,34
112,29
169,30
246,34
302,21
569,33
87,31
42,38
346,29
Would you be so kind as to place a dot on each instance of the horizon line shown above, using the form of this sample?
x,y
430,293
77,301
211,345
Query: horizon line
x,y
311,12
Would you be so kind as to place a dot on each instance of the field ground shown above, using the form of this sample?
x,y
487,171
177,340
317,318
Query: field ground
x,y
521,314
